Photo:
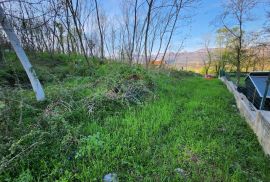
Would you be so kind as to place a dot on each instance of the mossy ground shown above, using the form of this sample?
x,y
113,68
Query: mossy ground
x,y
94,122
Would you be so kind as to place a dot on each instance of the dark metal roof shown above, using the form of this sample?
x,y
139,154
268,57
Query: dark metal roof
x,y
259,73
259,80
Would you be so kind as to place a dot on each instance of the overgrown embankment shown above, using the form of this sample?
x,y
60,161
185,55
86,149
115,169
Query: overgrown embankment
x,y
114,118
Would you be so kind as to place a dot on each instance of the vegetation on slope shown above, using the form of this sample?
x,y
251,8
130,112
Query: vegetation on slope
x,y
112,118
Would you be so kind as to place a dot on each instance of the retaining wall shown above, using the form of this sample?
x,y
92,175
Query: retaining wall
x,y
258,120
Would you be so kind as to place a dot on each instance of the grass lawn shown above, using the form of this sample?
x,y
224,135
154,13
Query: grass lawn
x,y
192,126
189,130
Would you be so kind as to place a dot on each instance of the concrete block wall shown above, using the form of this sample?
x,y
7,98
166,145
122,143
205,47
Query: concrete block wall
x,y
258,120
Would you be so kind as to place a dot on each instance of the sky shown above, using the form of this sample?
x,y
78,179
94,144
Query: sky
x,y
201,25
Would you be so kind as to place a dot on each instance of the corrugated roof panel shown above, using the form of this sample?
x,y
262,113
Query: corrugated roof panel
x,y
260,83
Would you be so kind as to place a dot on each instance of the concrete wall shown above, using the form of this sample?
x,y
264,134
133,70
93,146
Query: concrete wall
x,y
258,120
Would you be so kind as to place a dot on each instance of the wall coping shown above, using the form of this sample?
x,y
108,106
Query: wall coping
x,y
258,120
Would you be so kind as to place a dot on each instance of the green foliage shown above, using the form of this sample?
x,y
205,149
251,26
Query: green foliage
x,y
25,176
39,136
89,145
49,68
115,118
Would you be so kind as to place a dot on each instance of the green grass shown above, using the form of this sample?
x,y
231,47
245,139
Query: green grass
x,y
193,126
183,122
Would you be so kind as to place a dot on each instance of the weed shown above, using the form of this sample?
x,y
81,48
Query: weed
x,y
142,125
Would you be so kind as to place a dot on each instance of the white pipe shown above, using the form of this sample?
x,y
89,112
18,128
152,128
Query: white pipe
x,y
37,87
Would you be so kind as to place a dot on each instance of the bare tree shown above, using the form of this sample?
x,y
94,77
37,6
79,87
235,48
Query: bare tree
x,y
130,23
75,20
65,27
100,31
236,13
148,21
178,7
208,58
134,30
263,58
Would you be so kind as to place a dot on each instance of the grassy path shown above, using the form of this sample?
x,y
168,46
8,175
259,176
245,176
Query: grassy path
x,y
193,126
85,129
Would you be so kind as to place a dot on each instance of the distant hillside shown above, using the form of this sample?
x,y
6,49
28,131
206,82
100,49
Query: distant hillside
x,y
194,60
187,60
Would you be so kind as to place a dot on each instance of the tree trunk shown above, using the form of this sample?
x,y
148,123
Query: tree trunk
x,y
146,31
134,32
74,13
178,8
238,64
100,31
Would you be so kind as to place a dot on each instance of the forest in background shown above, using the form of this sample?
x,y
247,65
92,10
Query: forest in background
x,y
83,27
144,32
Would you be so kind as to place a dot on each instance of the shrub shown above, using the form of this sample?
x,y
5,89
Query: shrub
x,y
43,139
